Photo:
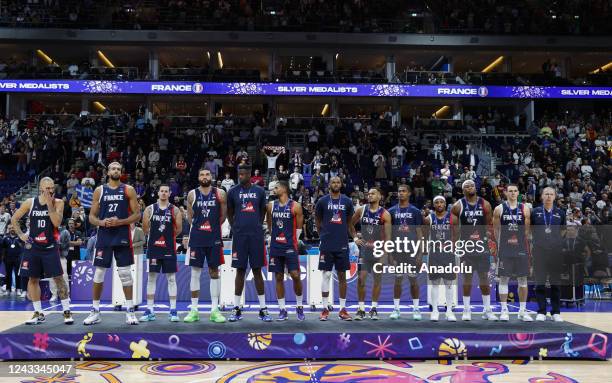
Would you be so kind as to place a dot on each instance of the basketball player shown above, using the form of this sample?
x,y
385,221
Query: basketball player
x,y
511,221
206,210
285,220
114,208
548,227
41,257
439,222
162,222
472,219
407,221
246,209
332,214
375,226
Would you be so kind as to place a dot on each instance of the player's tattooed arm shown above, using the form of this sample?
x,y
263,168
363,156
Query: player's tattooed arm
x,y
146,219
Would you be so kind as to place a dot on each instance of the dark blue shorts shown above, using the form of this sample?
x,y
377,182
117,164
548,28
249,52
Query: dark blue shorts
x,y
480,263
165,265
124,256
213,256
338,259
513,267
283,259
37,263
248,250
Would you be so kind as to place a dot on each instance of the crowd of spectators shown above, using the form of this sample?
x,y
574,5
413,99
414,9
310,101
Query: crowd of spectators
x,y
569,152
580,17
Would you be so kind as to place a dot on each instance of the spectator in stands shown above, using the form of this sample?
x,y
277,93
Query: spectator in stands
x,y
12,251
257,179
227,182
296,179
5,220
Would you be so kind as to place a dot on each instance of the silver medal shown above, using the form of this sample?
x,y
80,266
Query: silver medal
x,y
279,224
548,230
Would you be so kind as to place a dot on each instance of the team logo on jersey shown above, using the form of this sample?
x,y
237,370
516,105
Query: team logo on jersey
x,y
336,219
247,207
281,238
161,242
475,236
24,265
279,224
192,255
235,256
41,238
404,229
272,261
100,254
205,226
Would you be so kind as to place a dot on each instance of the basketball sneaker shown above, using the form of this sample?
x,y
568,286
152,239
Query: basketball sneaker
x,y
435,316
330,308
373,314
416,314
92,318
525,317
173,316
282,315
541,318
300,313
148,316
557,318
236,314
264,316
467,315
324,314
68,319
504,316
450,316
344,315
489,315
130,317
395,314
192,316
216,316
360,315
37,318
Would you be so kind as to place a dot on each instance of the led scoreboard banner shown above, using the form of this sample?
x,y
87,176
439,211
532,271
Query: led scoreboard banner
x,y
290,89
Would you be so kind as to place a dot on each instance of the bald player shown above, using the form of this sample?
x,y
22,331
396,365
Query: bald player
x,y
472,219
114,208
375,224
41,258
511,222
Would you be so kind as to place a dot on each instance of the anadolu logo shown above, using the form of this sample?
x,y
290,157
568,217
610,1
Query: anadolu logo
x,y
198,88
483,91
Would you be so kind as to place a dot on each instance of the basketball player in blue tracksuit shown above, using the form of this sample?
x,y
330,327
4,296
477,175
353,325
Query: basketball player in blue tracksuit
x,y
333,213
41,257
511,221
246,209
473,217
548,228
407,222
375,223
285,220
440,231
162,221
206,212
114,208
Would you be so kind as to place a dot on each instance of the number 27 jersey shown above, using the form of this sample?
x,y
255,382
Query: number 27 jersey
x,y
114,203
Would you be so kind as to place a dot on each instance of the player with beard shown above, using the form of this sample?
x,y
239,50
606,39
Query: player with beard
x,y
284,218
472,220
246,209
407,221
332,214
41,258
375,224
206,211
439,222
162,222
511,222
114,208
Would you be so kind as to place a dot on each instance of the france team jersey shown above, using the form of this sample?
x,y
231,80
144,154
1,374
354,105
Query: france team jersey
x,y
283,234
206,226
162,238
512,240
249,206
114,203
335,216
405,220
41,230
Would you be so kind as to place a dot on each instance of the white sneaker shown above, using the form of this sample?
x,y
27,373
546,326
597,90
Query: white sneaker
x,y
130,318
557,318
416,314
489,315
435,315
450,316
93,318
37,318
22,295
504,316
525,317
467,316
540,318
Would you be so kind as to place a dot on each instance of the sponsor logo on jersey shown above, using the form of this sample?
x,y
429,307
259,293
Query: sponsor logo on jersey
x,y
161,242
41,238
205,227
248,207
281,238
100,254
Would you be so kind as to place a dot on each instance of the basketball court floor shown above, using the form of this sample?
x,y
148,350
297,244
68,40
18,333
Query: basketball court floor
x,y
595,314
